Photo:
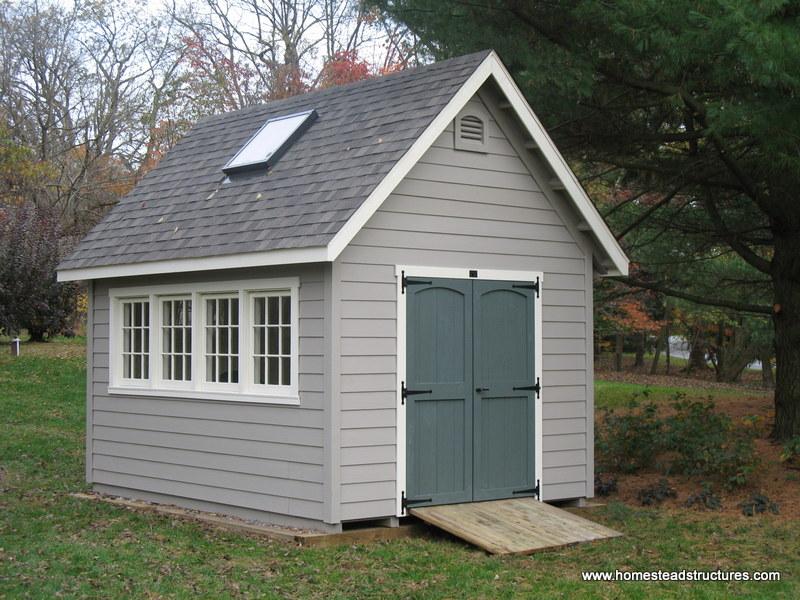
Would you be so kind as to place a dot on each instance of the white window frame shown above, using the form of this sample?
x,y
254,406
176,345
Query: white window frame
x,y
131,382
245,390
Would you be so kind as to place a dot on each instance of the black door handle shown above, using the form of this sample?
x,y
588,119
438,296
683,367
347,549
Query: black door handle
x,y
480,389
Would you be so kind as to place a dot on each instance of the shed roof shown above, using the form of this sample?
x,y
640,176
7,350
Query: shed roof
x,y
186,214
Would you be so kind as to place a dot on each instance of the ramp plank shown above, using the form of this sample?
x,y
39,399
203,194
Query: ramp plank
x,y
513,526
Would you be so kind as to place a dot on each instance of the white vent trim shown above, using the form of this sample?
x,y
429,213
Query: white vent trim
x,y
471,130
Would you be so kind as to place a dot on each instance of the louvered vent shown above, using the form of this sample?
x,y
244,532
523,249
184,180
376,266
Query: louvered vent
x,y
471,128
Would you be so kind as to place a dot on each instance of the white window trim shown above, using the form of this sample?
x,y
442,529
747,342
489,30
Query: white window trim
x,y
400,415
198,388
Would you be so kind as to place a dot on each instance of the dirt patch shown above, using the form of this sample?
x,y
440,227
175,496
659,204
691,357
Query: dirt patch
x,y
773,478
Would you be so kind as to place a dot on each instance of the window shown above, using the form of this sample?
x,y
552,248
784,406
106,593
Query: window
x,y
471,126
176,339
216,341
136,339
270,142
272,339
222,339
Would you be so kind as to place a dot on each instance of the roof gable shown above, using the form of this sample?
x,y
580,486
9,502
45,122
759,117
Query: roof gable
x,y
187,216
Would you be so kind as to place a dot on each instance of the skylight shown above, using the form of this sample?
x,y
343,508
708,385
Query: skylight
x,y
270,142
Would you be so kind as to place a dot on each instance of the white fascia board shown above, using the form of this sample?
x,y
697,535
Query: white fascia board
x,y
286,256
492,66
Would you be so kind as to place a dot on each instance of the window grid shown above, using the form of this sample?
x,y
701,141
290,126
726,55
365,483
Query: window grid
x,y
222,339
176,339
272,339
136,339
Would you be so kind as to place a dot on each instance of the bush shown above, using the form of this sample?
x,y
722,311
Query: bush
x,y
706,443
694,441
758,504
705,499
629,442
656,494
605,485
791,451
31,245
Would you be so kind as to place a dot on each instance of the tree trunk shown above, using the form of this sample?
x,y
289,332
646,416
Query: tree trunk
x,y
618,352
639,361
657,354
767,379
666,343
786,320
697,350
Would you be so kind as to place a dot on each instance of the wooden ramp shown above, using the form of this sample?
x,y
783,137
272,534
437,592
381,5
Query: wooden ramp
x,y
514,526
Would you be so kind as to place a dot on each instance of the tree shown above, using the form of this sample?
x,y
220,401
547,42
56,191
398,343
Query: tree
x,y
31,244
695,102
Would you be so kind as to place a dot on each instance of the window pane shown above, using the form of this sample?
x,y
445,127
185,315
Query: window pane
x,y
178,312
166,310
272,371
258,311
258,340
286,309
137,314
211,312
258,370
234,311
222,362
234,340
223,339
167,362
177,335
126,366
211,368
178,368
187,335
272,340
137,366
285,372
234,369
137,340
211,340
146,341
126,311
223,312
126,340
187,367
166,341
146,313
286,340
272,310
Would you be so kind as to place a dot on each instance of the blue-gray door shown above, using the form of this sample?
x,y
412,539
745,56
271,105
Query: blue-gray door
x,y
470,429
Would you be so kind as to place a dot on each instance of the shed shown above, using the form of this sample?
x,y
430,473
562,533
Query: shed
x,y
334,307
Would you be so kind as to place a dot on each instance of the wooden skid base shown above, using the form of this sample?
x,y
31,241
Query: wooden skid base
x,y
515,526
300,537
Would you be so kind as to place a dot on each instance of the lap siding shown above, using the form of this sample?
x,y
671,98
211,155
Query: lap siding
x,y
259,457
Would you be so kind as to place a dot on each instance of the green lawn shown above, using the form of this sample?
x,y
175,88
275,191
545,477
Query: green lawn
x,y
52,545
618,394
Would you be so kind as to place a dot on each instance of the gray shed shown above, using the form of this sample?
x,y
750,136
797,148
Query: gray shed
x,y
333,307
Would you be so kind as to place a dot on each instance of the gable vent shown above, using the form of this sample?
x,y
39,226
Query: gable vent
x,y
471,127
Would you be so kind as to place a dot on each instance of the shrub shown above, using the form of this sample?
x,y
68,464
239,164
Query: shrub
x,y
656,494
791,451
629,442
705,499
31,244
605,485
704,442
758,504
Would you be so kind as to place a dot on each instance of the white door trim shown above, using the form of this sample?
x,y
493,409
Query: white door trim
x,y
451,273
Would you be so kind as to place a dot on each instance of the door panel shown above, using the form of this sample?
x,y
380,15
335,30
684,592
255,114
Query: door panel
x,y
470,435
439,359
504,417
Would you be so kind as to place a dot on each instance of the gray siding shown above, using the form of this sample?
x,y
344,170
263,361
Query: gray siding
x,y
251,456
463,209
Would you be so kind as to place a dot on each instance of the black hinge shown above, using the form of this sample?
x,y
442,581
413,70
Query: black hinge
x,y
529,286
406,502
533,490
405,392
405,282
537,387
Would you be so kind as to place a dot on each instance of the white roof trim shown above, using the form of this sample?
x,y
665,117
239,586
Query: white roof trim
x,y
182,265
490,67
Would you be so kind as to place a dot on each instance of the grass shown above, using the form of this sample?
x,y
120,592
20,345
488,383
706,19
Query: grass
x,y
55,546
617,394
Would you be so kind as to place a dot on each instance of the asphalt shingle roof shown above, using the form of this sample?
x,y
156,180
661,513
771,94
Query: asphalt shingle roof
x,y
183,209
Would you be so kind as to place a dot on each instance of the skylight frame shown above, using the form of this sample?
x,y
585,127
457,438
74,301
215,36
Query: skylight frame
x,y
269,160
